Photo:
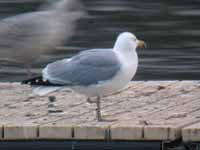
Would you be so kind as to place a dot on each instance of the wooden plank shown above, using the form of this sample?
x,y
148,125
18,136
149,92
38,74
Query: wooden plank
x,y
13,132
90,132
55,132
159,132
191,133
1,132
126,132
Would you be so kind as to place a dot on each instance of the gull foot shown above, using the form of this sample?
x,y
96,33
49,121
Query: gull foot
x,y
106,120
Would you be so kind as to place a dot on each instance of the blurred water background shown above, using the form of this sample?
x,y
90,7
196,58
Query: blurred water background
x,y
171,30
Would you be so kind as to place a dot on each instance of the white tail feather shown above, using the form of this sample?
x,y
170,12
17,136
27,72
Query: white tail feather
x,y
44,90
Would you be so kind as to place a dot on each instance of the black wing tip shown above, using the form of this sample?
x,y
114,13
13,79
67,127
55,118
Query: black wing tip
x,y
33,81
39,81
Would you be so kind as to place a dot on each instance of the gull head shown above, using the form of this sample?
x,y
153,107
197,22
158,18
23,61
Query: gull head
x,y
127,41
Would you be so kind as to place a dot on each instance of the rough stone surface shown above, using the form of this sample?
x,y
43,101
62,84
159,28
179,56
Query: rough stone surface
x,y
168,105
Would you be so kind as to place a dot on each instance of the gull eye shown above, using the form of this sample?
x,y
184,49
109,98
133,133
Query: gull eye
x,y
134,39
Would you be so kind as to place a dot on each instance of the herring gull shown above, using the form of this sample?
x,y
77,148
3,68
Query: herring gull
x,y
96,73
24,37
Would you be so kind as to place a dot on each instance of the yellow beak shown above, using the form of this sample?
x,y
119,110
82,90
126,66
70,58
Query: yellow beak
x,y
141,44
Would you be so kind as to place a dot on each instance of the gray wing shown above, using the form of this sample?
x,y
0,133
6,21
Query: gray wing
x,y
34,33
87,68
28,31
41,30
17,29
24,37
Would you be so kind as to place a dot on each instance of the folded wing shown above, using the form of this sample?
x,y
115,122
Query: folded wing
x,y
87,68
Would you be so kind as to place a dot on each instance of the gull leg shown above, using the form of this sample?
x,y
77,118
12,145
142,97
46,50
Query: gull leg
x,y
98,110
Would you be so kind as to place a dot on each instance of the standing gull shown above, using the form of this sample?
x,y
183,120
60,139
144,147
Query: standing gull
x,y
24,37
94,73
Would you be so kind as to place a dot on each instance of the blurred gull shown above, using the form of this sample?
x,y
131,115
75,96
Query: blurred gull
x,y
95,73
24,37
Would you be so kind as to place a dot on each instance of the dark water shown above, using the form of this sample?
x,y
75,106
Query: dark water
x,y
170,28
79,145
